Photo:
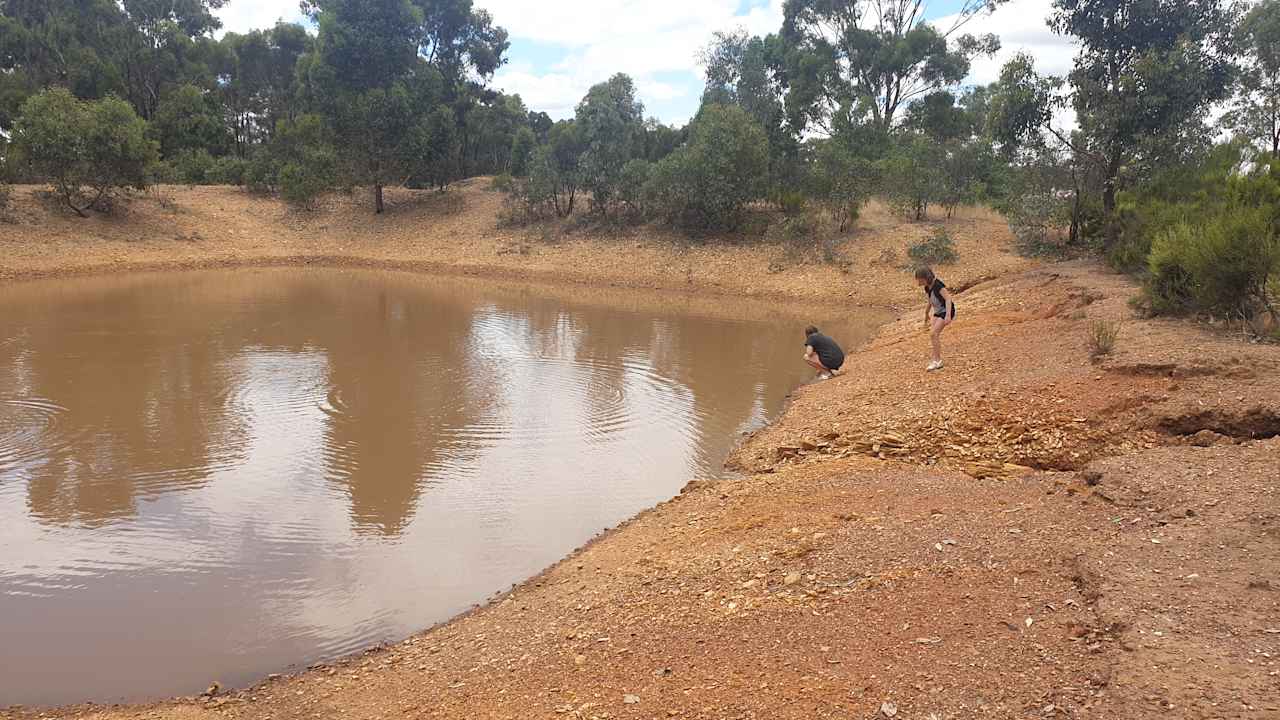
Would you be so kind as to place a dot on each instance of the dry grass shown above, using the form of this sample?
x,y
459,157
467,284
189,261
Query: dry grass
x,y
1102,337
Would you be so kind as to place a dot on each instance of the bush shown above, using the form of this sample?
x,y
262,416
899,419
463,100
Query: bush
x,y
1102,337
517,210
554,174
610,123
501,183
6,203
261,175
913,176
86,150
937,249
188,119
1186,194
301,162
1222,263
229,170
791,203
839,181
704,185
1039,223
633,187
522,146
301,184
193,167
1214,236
809,237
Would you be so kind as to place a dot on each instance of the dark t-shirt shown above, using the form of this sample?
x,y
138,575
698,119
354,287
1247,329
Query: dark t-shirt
x,y
939,303
828,351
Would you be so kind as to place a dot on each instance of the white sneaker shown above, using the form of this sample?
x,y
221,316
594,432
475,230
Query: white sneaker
x,y
824,376
935,365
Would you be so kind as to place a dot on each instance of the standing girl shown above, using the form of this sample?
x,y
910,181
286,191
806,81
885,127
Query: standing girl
x,y
939,312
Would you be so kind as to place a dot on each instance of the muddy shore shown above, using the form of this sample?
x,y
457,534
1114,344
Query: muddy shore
x,y
1029,533
460,233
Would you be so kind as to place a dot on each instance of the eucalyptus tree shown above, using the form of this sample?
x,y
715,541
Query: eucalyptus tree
x,y
1256,109
610,123
855,62
380,71
1145,69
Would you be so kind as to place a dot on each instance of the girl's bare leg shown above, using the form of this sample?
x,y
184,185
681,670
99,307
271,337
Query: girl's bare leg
x,y
935,338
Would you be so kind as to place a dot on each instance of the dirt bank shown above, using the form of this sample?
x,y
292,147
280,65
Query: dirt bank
x,y
893,550
180,227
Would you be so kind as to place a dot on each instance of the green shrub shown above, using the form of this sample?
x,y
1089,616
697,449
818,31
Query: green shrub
x,y
937,249
1221,263
555,173
501,183
840,181
522,146
912,176
633,187
301,184
88,150
790,202
705,185
193,167
261,174
162,173
301,162
229,170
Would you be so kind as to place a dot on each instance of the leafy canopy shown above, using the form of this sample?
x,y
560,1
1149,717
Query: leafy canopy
x,y
849,62
87,150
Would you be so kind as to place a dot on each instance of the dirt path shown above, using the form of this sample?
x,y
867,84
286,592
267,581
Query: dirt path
x,y
1026,534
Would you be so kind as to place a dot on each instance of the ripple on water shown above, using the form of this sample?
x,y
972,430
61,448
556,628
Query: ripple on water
x,y
634,394
29,431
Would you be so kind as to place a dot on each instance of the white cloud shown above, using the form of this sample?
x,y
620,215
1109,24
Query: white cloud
x,y
241,16
1022,27
643,38
656,42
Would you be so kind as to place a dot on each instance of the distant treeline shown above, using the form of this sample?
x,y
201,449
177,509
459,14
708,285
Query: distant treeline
x,y
846,100
376,93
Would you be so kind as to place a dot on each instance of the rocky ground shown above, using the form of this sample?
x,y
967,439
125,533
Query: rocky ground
x,y
1031,533
1022,389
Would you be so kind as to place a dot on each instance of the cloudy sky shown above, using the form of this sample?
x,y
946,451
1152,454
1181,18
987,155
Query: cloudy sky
x,y
559,48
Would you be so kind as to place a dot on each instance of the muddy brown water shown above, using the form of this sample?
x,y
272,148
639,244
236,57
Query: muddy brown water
x,y
219,475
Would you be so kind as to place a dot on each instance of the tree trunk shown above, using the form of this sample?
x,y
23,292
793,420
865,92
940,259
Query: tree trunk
x,y
1109,184
71,204
1074,238
377,198
1112,232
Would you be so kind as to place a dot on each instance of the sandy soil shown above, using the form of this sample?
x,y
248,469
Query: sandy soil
x,y
1028,533
458,232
